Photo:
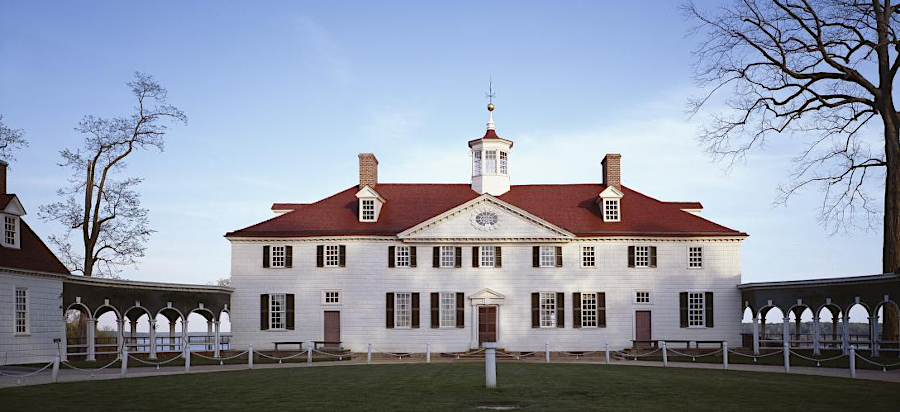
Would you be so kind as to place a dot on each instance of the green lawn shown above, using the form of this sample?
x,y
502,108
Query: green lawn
x,y
459,387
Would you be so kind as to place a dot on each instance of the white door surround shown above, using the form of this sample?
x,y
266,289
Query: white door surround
x,y
484,297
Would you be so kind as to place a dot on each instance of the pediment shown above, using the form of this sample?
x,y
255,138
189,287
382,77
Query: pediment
x,y
504,222
14,207
611,193
487,294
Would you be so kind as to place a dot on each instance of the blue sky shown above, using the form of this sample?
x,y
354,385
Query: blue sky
x,y
282,96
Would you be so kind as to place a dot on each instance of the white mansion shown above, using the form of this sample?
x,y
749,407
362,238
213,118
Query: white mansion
x,y
455,265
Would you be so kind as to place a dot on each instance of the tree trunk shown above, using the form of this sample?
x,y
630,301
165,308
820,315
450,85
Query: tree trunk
x,y
891,250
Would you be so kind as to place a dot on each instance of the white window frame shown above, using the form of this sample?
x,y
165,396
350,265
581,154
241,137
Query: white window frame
x,y
331,297
21,310
696,309
476,163
547,257
695,257
278,311
367,210
642,297
448,257
487,256
588,256
11,231
611,210
403,316
490,162
504,163
641,256
447,309
332,256
547,309
589,317
278,257
402,257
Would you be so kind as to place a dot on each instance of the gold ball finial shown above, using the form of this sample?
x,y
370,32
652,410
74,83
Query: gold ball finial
x,y
490,107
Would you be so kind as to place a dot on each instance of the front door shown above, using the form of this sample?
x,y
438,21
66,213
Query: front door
x,y
332,328
487,324
642,327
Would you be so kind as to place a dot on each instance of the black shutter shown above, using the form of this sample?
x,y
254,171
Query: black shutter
x,y
435,310
498,257
265,256
535,310
436,258
474,256
415,311
708,300
391,256
458,257
560,310
683,304
536,256
320,256
288,256
460,310
412,256
631,256
290,310
576,310
389,310
559,256
263,312
653,256
342,255
601,309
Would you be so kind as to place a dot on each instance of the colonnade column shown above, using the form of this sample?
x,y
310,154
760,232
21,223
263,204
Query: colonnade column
x,y
873,335
120,336
216,340
91,339
845,334
786,331
816,350
152,339
755,335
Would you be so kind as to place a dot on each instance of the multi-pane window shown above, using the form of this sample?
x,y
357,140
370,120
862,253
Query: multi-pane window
x,y
695,257
490,161
368,209
641,256
278,256
401,257
641,297
611,210
488,256
476,165
9,230
588,310
332,297
448,309
448,256
696,306
277,311
403,310
21,311
588,256
548,309
332,255
548,256
503,168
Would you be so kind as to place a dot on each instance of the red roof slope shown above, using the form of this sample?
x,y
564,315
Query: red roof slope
x,y
571,207
33,254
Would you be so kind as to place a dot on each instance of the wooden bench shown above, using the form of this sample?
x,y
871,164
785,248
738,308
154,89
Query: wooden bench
x,y
299,345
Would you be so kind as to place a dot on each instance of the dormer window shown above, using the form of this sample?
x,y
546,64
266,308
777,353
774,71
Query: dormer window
x,y
368,210
611,210
370,203
610,203
10,231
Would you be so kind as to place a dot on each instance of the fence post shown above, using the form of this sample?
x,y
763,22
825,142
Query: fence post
x,y
490,365
665,354
547,351
250,356
124,362
309,350
187,357
787,357
852,361
725,354
369,355
607,352
427,353
55,369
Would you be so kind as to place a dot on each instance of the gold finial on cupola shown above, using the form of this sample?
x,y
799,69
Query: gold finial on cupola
x,y
490,96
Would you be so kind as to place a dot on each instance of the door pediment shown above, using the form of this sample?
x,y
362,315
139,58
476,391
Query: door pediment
x,y
487,297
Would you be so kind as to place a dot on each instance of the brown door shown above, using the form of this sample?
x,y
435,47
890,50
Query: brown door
x,y
642,326
487,324
332,328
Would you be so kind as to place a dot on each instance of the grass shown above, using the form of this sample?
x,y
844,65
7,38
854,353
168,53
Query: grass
x,y
456,386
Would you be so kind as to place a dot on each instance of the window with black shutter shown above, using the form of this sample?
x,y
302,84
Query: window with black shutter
x,y
683,308
288,256
263,312
498,259
560,310
435,310
458,253
559,261
389,310
412,256
460,310
290,311
535,310
415,311
601,309
266,256
391,258
320,256
631,256
653,256
342,255
475,256
436,261
708,300
576,310
536,257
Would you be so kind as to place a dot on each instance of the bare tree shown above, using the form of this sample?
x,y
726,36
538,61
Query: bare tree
x,y
10,139
823,69
106,212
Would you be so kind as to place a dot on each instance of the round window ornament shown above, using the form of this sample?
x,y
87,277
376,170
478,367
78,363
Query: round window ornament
x,y
486,220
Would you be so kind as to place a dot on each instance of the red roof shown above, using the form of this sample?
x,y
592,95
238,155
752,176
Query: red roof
x,y
32,254
571,207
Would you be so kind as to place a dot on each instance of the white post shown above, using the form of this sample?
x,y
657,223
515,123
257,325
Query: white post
x,y
816,350
91,339
124,362
845,334
607,352
187,357
873,335
787,358
786,331
755,335
185,337
665,354
490,365
369,354
725,354
427,353
309,350
55,377
852,362
547,351
217,341
120,336
152,339
63,343
250,356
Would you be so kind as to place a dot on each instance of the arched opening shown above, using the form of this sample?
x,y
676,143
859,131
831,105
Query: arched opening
x,y
830,327
771,329
137,332
201,335
891,345
747,328
168,330
106,335
858,326
76,316
800,327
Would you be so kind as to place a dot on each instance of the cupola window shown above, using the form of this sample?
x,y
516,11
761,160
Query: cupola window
x,y
503,169
490,161
476,166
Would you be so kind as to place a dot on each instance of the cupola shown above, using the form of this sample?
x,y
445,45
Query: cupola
x,y
490,160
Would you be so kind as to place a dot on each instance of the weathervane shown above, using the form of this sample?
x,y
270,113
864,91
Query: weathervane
x,y
490,95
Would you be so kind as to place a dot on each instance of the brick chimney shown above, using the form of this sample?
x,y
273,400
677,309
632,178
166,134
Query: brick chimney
x,y
3,177
368,170
612,170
